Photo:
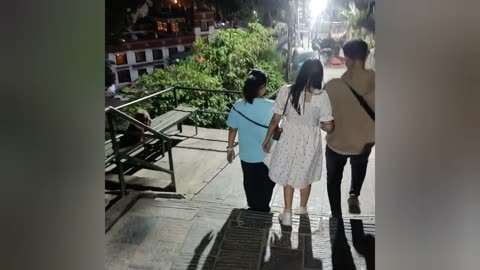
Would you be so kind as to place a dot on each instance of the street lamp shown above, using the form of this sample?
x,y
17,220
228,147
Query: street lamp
x,y
316,7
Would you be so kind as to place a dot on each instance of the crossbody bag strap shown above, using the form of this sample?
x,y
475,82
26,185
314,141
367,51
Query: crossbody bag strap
x,y
286,102
244,116
362,102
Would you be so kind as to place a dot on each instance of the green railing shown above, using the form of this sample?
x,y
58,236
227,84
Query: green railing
x,y
113,115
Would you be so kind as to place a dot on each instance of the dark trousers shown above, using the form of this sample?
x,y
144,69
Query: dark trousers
x,y
258,186
335,164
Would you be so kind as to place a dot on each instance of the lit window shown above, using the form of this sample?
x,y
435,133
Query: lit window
x,y
140,57
175,27
157,54
162,27
124,76
121,58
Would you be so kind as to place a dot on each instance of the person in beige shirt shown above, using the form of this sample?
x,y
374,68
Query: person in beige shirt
x,y
354,134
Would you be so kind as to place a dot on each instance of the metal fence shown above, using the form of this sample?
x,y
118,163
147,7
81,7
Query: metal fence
x,y
114,114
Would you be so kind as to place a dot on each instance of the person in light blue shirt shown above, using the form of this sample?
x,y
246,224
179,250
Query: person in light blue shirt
x,y
249,117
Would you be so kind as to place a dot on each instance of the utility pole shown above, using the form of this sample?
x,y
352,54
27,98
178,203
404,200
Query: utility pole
x,y
291,35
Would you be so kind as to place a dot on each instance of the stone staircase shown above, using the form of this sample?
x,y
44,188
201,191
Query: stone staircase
x,y
159,233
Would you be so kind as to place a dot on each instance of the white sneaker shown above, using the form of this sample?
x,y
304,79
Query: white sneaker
x,y
301,211
285,218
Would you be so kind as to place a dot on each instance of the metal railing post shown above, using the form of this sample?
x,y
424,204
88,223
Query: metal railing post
x,y
155,133
170,161
175,96
116,152
115,111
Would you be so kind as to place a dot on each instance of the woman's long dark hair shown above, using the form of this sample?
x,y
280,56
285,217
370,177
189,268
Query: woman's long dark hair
x,y
256,78
310,75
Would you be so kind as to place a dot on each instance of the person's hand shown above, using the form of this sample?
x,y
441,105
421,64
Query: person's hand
x,y
230,156
266,146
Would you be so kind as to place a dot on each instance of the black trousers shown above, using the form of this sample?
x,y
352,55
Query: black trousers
x,y
335,164
258,186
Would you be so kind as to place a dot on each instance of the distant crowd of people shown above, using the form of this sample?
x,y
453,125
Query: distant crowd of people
x,y
280,141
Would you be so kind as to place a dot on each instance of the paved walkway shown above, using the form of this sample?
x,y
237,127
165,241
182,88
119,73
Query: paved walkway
x,y
227,188
212,231
209,229
173,234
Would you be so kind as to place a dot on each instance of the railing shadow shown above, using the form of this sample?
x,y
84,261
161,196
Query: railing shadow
x,y
246,241
238,244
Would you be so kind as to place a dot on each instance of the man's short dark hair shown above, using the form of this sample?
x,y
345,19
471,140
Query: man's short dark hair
x,y
356,49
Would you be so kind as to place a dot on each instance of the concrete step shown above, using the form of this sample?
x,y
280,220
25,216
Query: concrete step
x,y
184,234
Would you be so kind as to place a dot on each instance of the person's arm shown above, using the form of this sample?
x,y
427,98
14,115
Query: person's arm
x,y
328,126
232,134
271,128
327,122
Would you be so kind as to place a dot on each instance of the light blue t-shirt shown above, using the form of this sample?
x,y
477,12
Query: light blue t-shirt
x,y
250,135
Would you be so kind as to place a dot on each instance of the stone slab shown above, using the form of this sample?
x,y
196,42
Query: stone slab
x,y
197,160
132,230
119,208
226,187
284,259
193,262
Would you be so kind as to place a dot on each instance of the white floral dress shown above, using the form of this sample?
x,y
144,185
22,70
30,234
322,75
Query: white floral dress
x,y
296,159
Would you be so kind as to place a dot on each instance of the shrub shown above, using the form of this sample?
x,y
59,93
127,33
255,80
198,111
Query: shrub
x,y
222,63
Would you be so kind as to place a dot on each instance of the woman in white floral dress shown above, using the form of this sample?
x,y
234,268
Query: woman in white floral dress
x,y
296,160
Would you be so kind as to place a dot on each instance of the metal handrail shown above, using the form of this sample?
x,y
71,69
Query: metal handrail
x,y
110,111
208,90
139,124
184,88
117,154
144,98
222,91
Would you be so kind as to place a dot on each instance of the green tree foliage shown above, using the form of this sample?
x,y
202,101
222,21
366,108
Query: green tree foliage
x,y
232,53
222,63
187,73
360,15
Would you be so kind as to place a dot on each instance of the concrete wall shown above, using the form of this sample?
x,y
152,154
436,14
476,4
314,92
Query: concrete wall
x,y
149,64
198,32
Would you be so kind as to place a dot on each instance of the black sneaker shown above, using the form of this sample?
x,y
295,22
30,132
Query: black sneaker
x,y
335,214
354,205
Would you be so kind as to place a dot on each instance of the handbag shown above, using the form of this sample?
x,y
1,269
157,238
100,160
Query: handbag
x,y
277,133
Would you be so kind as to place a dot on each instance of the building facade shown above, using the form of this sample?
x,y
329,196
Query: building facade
x,y
162,39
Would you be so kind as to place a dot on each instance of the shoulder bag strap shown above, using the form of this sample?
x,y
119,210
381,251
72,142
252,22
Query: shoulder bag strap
x,y
363,103
244,116
286,102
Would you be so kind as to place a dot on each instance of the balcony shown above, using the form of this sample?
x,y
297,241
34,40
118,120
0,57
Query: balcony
x,y
152,43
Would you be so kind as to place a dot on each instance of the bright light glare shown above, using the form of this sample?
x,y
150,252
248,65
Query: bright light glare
x,y
316,7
